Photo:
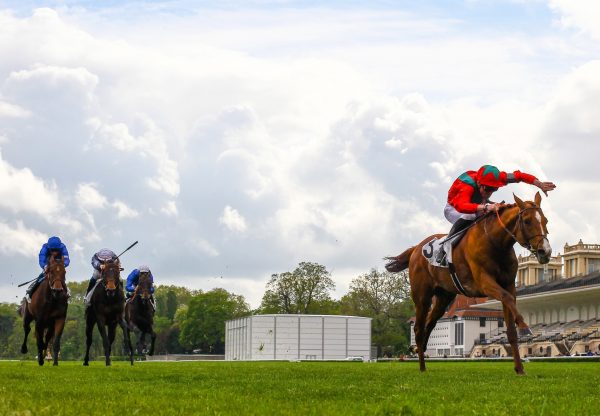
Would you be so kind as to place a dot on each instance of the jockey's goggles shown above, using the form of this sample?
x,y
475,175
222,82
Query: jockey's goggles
x,y
489,188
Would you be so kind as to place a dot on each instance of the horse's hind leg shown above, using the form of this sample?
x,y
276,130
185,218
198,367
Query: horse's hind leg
x,y
27,318
441,302
422,304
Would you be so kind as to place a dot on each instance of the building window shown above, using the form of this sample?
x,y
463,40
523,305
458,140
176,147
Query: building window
x,y
500,323
481,337
482,322
593,265
459,330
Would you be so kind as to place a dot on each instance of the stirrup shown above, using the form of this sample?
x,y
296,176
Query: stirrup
x,y
441,255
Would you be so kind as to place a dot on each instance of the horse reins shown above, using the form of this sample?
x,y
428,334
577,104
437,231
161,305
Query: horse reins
x,y
519,225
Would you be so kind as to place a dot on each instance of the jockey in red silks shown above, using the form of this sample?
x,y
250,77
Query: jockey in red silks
x,y
469,196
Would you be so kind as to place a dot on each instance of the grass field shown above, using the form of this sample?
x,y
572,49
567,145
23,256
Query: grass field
x,y
307,388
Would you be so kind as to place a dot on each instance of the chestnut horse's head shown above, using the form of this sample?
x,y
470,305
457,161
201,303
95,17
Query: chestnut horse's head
x,y
111,277
531,228
55,273
144,285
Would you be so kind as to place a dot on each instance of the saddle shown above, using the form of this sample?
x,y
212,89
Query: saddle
x,y
431,249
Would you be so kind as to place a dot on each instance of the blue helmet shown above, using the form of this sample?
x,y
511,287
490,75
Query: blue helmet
x,y
54,243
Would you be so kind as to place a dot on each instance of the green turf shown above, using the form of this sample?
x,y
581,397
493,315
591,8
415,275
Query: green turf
x,y
307,388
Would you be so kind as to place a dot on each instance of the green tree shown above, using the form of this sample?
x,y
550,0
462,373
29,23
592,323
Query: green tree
x,y
384,297
305,290
202,323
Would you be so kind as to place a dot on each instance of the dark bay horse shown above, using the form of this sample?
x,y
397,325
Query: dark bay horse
x,y
106,311
486,265
139,313
48,308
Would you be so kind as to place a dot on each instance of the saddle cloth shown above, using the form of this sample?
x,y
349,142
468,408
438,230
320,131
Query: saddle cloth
x,y
88,298
430,251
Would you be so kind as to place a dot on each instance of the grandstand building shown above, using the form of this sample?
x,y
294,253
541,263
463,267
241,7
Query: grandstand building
x,y
560,301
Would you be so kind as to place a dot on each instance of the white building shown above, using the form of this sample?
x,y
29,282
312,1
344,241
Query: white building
x,y
298,337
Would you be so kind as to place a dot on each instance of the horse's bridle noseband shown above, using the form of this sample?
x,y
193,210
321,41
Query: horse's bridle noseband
x,y
519,227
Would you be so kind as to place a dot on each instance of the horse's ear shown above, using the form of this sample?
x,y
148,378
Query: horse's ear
x,y
520,203
538,198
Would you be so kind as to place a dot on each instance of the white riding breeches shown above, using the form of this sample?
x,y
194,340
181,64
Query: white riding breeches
x,y
453,215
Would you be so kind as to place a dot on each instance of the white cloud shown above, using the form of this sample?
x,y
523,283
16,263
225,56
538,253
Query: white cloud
x,y
579,14
233,220
124,211
11,110
335,132
21,191
204,247
89,197
20,240
170,209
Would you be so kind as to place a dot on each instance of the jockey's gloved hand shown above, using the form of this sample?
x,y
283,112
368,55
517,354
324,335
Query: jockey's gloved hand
x,y
544,186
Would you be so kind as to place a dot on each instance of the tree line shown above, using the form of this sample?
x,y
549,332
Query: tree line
x,y
194,320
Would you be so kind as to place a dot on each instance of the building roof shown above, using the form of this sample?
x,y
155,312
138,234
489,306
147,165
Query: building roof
x,y
559,284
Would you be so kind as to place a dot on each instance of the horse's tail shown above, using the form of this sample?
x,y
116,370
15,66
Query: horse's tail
x,y
400,262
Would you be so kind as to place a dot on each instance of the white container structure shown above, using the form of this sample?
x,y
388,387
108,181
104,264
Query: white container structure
x,y
298,337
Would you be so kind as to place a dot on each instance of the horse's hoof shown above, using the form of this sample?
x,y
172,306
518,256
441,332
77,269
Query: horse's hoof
x,y
55,364
525,332
86,364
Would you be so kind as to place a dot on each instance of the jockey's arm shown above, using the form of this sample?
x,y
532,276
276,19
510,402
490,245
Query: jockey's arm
x,y
42,258
544,186
132,280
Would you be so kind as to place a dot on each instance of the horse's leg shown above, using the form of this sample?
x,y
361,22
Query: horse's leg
x,y
422,304
441,302
111,336
142,342
27,318
126,339
152,340
39,337
59,325
89,331
490,287
100,323
513,339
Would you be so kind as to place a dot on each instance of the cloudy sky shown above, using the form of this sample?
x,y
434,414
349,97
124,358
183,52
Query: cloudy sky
x,y
237,139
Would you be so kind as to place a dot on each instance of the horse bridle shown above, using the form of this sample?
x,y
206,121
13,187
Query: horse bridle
x,y
519,227
103,280
52,278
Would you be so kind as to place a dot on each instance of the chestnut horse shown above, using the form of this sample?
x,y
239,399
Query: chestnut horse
x,y
106,311
139,313
48,308
486,265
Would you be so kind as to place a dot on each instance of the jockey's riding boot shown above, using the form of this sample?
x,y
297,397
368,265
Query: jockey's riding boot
x,y
33,286
459,225
90,286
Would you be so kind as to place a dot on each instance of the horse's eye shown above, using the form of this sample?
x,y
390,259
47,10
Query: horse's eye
x,y
527,222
